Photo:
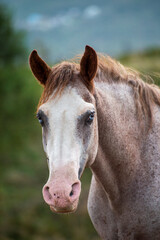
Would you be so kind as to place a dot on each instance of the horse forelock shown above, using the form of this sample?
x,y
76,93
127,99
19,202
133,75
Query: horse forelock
x,y
61,76
109,71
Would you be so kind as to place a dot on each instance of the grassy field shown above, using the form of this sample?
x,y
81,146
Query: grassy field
x,y
23,167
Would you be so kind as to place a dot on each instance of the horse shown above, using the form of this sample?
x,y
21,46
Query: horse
x,y
99,114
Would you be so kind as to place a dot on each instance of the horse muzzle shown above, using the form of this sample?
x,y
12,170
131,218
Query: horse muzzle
x,y
61,195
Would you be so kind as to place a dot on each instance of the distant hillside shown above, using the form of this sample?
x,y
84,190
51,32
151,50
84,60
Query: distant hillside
x,y
61,29
146,61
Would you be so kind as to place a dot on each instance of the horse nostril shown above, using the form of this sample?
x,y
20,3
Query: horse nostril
x,y
75,189
71,193
46,193
46,189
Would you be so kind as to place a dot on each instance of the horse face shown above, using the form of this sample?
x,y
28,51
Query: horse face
x,y
69,129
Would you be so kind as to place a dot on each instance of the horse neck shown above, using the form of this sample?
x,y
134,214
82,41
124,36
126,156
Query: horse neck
x,y
119,138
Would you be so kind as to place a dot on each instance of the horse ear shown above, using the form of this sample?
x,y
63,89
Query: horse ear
x,y
39,68
88,66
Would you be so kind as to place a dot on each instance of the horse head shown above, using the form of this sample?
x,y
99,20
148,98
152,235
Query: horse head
x,y
67,114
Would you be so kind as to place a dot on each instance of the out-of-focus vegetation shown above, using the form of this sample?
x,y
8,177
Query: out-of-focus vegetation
x,y
147,62
23,168
12,47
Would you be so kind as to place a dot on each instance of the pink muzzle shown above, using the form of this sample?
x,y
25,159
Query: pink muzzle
x,y
62,194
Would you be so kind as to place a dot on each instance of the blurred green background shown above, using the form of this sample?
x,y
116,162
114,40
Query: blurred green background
x,y
23,167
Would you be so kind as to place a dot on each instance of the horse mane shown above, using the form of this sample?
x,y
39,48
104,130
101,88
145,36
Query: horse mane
x,y
145,93
110,71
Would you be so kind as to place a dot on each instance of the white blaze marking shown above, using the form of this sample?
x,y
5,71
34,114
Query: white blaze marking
x,y
63,147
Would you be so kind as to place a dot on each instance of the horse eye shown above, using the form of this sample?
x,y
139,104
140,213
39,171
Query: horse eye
x,y
40,120
90,118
